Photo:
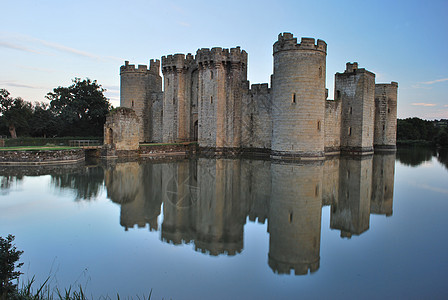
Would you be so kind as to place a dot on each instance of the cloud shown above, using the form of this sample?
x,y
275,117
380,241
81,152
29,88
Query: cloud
x,y
37,69
418,86
184,24
178,8
423,104
17,47
110,88
446,105
32,42
66,49
435,81
21,85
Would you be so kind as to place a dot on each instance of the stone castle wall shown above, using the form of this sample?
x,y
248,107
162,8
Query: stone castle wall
x,y
385,116
121,131
157,117
206,98
332,126
256,128
298,106
136,88
295,217
355,88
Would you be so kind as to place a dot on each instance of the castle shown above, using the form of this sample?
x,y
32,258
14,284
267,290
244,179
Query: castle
x,y
207,98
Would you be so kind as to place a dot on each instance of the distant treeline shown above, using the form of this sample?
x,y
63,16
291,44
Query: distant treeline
x,y
77,110
418,131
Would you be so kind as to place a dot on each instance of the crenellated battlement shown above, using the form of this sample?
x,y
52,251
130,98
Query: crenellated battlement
x,y
286,41
154,66
207,97
353,69
215,55
176,62
280,267
260,88
127,68
392,83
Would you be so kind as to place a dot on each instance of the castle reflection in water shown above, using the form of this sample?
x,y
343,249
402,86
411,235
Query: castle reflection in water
x,y
207,202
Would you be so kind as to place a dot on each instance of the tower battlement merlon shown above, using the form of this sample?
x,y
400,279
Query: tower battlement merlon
x,y
286,41
219,55
154,66
353,69
177,61
259,88
392,83
127,68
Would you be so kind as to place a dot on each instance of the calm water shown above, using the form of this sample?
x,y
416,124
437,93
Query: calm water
x,y
236,228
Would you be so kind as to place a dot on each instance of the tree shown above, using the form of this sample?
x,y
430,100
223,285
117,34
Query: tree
x,y
9,256
15,112
442,138
43,121
80,109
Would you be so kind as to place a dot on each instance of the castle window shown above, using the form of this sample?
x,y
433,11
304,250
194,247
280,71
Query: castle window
x,y
388,110
167,81
384,127
318,125
132,104
349,131
211,74
316,190
251,117
290,217
351,110
174,100
110,136
211,99
320,72
338,94
294,98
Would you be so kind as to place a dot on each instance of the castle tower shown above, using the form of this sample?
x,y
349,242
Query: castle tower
x,y
136,88
177,97
350,213
383,184
220,91
294,222
385,136
356,89
298,102
179,192
220,214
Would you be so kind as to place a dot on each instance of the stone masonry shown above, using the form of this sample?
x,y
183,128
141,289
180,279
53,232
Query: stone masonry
x,y
206,98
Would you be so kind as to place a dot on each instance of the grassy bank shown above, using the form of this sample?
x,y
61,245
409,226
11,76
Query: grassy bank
x,y
414,143
58,141
37,148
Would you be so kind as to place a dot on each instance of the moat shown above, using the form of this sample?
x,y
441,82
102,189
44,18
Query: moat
x,y
202,228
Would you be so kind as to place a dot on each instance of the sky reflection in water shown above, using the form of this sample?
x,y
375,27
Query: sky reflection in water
x,y
240,229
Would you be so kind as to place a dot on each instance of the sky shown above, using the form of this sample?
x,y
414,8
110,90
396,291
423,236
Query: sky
x,y
45,44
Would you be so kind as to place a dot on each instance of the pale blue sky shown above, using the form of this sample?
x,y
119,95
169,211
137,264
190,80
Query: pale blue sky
x,y
45,44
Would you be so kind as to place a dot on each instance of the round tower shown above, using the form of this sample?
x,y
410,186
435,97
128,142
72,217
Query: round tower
x,y
294,220
298,102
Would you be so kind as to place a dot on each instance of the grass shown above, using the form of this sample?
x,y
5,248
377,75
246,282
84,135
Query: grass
x,y
37,148
45,292
414,143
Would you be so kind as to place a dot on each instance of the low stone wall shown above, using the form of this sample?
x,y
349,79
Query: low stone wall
x,y
30,157
167,149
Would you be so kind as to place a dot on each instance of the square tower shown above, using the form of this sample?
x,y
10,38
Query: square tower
x,y
356,90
